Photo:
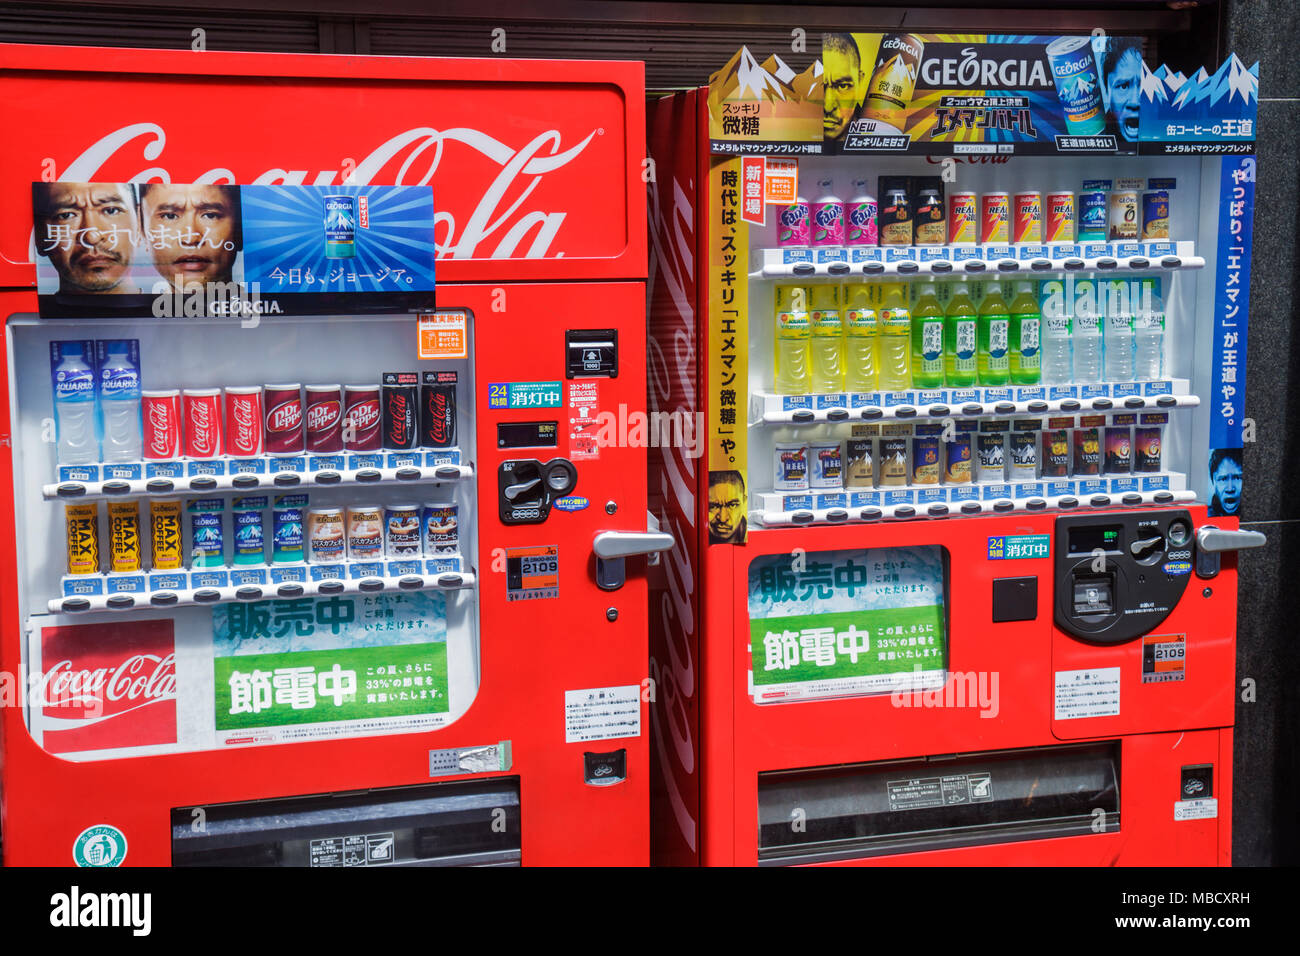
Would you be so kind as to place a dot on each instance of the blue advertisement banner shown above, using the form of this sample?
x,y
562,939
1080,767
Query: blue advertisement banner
x,y
1231,313
173,250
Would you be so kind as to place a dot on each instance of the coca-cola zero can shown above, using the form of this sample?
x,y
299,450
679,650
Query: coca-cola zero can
x,y
202,414
244,421
400,417
284,419
361,418
162,423
438,410
324,414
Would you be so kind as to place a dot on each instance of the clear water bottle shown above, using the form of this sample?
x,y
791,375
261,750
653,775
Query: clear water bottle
x,y
1149,333
74,407
119,390
1057,322
1118,325
1087,332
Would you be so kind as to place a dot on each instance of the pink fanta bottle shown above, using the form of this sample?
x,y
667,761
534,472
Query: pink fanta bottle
x,y
794,227
828,217
862,214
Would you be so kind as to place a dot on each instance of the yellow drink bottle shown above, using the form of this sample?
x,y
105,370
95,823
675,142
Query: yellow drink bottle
x,y
861,328
792,340
827,343
895,338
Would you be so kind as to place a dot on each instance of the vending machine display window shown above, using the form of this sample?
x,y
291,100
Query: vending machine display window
x,y
846,623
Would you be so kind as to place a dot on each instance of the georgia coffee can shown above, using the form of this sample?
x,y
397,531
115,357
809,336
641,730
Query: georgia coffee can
x,y
283,419
244,421
438,410
162,423
324,418
202,412
400,420
362,418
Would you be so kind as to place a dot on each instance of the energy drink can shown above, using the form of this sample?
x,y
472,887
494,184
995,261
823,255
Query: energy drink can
x,y
326,541
1094,213
791,467
165,534
1028,222
287,527
365,532
1074,69
1056,453
1146,443
827,464
402,531
930,229
889,93
1155,214
896,219
1060,218
925,460
1087,452
250,531
995,219
1123,215
1119,450
957,460
963,218
123,536
340,227
207,539
858,465
83,538
439,529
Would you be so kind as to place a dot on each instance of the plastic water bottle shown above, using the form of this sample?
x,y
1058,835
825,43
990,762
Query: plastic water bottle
x,y
1057,321
119,395
1119,330
74,407
1149,332
1087,332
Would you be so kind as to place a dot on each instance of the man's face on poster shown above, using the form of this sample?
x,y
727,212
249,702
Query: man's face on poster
x,y
1124,87
842,79
1227,485
726,508
191,230
87,231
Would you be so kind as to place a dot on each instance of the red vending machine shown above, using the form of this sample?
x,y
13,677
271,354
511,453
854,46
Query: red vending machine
x,y
303,567
954,578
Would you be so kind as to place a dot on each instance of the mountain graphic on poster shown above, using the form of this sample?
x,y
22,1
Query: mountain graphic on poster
x,y
1218,106
808,84
765,102
744,78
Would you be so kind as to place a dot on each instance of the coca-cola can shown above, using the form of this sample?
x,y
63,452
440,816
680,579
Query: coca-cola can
x,y
438,410
244,421
362,418
162,423
324,418
401,421
202,417
283,419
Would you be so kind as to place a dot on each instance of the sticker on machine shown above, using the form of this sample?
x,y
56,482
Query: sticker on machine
x,y
359,849
533,573
602,713
1164,658
442,335
922,793
1205,808
584,420
1087,693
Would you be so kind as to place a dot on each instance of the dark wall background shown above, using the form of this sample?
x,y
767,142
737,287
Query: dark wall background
x,y
1267,752
681,43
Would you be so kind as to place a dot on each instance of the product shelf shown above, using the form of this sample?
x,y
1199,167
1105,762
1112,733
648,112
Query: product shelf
x,y
272,479
992,261
285,590
775,513
769,408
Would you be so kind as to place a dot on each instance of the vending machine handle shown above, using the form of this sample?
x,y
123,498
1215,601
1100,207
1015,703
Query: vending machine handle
x,y
612,547
1212,541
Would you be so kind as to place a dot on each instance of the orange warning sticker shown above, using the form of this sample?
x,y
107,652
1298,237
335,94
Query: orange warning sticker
x,y
442,335
1164,658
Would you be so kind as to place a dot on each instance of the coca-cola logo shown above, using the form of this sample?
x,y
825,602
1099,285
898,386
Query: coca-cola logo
x,y
284,417
140,678
400,418
440,413
158,423
364,414
244,422
323,415
202,430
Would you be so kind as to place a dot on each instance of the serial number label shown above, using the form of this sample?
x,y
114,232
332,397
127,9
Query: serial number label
x,y
533,574
1164,658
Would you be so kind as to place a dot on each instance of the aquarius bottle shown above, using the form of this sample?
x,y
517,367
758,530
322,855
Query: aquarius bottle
x,y
895,336
792,340
827,340
861,329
